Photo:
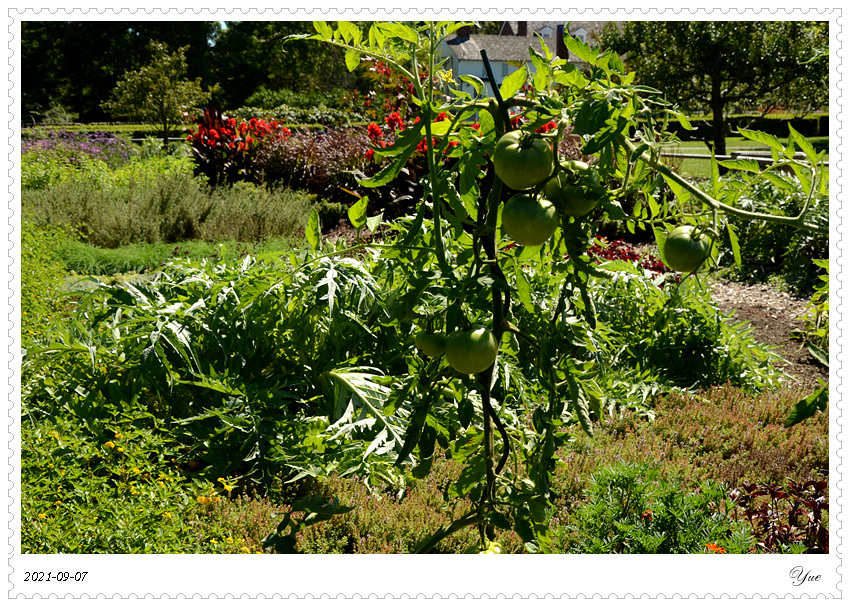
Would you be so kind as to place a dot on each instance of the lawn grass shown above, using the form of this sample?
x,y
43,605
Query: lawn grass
x,y
701,168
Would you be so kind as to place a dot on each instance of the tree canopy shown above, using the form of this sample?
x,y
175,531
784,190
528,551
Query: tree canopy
x,y
158,93
720,65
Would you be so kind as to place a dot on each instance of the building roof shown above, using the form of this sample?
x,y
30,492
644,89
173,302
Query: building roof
x,y
591,27
499,48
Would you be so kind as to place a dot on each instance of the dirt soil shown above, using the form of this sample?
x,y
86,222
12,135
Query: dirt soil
x,y
773,316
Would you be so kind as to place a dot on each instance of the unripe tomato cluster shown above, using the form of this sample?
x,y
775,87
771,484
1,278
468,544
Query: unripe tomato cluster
x,y
468,352
523,162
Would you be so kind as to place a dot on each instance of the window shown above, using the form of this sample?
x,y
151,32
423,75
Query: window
x,y
546,32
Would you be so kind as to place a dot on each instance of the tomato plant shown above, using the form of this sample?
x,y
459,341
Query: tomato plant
x,y
686,248
575,189
510,390
522,160
529,220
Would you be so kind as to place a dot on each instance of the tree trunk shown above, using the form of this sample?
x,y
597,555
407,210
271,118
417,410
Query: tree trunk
x,y
718,121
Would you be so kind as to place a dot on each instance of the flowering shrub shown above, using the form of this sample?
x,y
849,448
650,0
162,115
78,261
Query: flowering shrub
x,y
74,148
390,91
621,250
225,150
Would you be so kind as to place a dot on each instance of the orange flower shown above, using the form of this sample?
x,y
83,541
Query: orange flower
x,y
716,549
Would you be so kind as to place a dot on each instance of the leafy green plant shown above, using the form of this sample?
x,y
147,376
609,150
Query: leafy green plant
x,y
775,250
630,510
41,275
677,331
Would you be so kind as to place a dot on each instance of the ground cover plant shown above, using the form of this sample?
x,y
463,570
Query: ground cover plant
x,y
449,375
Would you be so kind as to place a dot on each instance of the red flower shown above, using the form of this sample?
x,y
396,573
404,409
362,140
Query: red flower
x,y
394,121
370,155
551,125
440,117
374,131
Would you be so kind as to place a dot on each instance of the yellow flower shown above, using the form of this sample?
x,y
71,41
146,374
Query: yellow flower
x,y
42,515
118,435
161,484
213,542
246,550
109,444
57,503
137,471
121,449
167,515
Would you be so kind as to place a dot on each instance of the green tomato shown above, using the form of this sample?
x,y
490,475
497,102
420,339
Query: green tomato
x,y
529,221
686,248
472,351
492,548
431,344
522,161
576,190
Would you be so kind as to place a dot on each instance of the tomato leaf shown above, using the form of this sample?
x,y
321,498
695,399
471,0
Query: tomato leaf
x,y
660,238
733,241
683,120
357,213
715,174
523,289
350,33
741,164
769,140
513,82
592,116
324,29
680,192
803,144
313,230
399,31
352,59
803,175
580,49
475,82
372,223
542,70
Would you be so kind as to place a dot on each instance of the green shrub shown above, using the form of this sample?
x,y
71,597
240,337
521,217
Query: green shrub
x,y
769,249
148,206
677,331
630,510
321,114
265,98
41,277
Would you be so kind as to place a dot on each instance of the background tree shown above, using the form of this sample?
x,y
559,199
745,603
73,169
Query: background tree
x,y
715,65
248,55
158,92
76,64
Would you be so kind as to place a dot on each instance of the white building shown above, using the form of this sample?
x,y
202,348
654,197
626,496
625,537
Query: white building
x,y
509,49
